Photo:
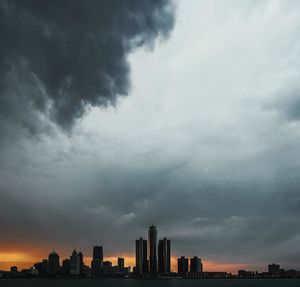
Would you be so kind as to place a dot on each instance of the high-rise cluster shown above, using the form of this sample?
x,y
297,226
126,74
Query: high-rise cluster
x,y
196,266
153,257
74,266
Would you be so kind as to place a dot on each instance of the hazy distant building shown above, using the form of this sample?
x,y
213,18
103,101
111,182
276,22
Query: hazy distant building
x,y
53,264
13,269
42,267
196,265
81,263
274,269
97,262
183,265
66,266
152,245
109,269
141,263
247,274
164,256
75,264
107,264
121,263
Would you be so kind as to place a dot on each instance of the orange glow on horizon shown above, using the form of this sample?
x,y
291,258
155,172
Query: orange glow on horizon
x,y
20,259
24,260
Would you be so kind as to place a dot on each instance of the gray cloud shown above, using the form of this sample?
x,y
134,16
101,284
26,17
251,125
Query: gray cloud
x,y
287,103
58,57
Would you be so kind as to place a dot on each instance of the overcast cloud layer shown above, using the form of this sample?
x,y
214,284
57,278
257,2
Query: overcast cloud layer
x,y
206,145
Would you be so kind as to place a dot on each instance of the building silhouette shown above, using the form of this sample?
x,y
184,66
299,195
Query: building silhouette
x,y
97,262
107,264
152,245
141,262
183,265
13,269
164,256
81,263
274,269
121,263
196,265
42,267
98,253
75,264
53,264
66,266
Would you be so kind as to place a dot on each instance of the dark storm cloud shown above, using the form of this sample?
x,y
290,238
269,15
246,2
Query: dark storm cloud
x,y
57,57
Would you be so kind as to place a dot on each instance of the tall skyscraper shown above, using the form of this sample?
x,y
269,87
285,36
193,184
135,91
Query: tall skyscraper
x,y
74,264
152,244
141,263
196,265
81,263
121,264
183,265
164,256
53,264
97,262
98,253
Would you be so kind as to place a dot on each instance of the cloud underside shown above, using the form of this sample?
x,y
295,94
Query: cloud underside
x,y
57,58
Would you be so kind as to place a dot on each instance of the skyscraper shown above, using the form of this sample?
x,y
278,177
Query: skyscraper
x,y
164,256
152,243
81,263
183,265
98,253
53,264
121,264
97,262
141,263
196,265
74,264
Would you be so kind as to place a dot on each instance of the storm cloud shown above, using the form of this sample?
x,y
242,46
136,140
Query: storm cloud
x,y
59,57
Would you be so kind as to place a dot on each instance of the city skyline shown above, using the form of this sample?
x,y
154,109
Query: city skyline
x,y
120,115
161,250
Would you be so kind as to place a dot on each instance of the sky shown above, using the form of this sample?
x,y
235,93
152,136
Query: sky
x,y
118,115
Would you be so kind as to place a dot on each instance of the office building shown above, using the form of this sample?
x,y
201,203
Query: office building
x,y
66,267
183,265
98,253
274,269
196,268
81,263
42,267
75,264
121,263
152,245
53,264
196,265
141,262
164,256
97,262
